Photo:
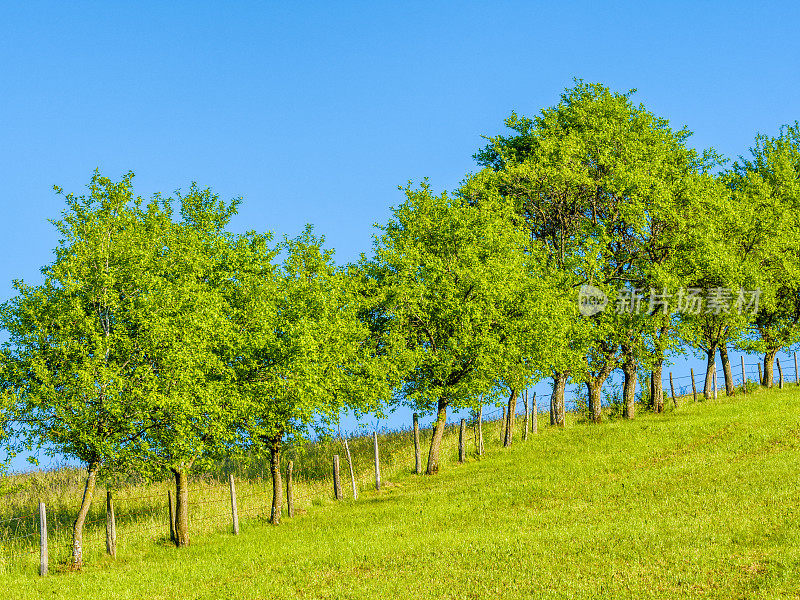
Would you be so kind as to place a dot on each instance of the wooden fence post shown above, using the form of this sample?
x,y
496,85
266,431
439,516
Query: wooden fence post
x,y
417,457
289,490
694,387
171,516
462,432
480,430
377,461
527,417
672,389
796,377
111,526
42,539
760,375
337,484
352,473
744,376
234,508
780,373
534,415
503,426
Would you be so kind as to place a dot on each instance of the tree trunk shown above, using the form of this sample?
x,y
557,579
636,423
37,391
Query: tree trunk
x,y
510,413
181,507
708,385
730,388
277,486
656,387
527,416
629,389
480,429
77,529
769,374
595,406
436,441
558,411
534,414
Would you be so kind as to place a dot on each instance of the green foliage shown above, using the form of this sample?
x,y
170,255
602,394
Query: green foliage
x,y
766,192
464,298
613,196
302,354
75,363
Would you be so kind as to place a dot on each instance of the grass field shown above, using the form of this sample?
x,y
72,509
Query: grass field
x,y
699,502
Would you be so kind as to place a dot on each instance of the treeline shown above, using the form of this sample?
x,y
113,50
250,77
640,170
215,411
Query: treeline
x,y
159,341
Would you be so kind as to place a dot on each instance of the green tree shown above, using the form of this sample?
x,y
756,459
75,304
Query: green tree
x,y
302,352
452,273
607,188
766,194
75,360
192,409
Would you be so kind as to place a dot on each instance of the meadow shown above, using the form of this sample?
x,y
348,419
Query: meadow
x,y
698,502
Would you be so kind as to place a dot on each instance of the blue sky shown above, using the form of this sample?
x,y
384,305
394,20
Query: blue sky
x,y
316,112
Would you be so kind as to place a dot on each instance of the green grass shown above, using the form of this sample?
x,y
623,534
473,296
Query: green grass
x,y
699,502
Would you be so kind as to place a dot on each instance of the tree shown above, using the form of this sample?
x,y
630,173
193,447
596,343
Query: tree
x,y
75,360
608,189
766,191
302,353
192,409
452,272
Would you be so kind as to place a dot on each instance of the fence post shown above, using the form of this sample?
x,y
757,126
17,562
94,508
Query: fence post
x,y
780,373
171,516
534,414
234,508
480,430
462,432
672,389
337,484
352,474
417,457
503,426
377,461
760,375
694,387
111,526
744,376
527,417
796,379
42,539
289,490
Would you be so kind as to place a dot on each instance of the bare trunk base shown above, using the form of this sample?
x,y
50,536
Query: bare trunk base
x,y
181,507
769,373
730,388
277,487
558,411
629,391
77,528
436,442
708,385
595,404
510,414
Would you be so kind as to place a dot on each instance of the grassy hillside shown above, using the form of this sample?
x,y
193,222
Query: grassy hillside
x,y
698,502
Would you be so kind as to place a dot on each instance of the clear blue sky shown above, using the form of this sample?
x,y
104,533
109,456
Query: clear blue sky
x,y
316,112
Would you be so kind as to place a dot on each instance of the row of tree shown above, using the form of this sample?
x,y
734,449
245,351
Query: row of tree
x,y
159,340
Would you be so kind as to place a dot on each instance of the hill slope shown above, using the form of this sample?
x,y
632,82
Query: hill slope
x,y
698,503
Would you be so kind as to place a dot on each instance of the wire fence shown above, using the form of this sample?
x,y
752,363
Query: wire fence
x,y
142,514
